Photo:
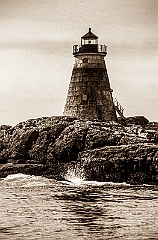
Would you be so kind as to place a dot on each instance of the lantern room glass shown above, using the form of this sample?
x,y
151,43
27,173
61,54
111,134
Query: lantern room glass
x,y
89,41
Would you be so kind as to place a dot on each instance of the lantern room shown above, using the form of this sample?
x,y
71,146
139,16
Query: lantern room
x,y
89,44
89,38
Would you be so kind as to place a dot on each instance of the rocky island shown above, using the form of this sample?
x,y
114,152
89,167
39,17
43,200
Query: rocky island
x,y
89,140
123,151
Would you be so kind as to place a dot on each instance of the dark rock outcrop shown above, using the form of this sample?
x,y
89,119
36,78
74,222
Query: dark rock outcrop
x,y
107,151
137,120
70,142
122,163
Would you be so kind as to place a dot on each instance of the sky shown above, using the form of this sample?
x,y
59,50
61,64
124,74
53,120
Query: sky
x,y
36,61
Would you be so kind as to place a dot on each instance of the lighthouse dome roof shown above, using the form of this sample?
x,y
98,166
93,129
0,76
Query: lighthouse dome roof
x,y
89,35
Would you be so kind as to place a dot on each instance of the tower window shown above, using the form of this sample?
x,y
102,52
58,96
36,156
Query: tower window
x,y
84,97
85,60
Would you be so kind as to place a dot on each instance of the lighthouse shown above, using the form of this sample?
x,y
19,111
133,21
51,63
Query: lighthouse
x,y
90,95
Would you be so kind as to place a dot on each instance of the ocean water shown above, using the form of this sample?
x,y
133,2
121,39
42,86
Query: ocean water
x,y
34,207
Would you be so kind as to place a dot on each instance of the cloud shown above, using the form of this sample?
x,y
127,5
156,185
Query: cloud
x,y
145,49
62,48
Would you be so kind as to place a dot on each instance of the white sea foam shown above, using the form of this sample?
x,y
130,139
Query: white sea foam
x,y
72,178
27,181
76,176
18,176
78,181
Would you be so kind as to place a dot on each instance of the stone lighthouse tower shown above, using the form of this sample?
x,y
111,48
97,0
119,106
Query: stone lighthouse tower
x,y
89,95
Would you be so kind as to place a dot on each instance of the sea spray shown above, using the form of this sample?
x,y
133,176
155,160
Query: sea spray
x,y
74,172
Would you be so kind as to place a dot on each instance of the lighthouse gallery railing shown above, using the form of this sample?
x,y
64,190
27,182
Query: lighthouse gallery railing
x,y
99,48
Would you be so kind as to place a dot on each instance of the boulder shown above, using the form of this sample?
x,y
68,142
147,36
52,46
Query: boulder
x,y
69,143
137,120
121,163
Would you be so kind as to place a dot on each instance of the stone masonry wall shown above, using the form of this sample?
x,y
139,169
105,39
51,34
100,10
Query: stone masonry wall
x,y
89,95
